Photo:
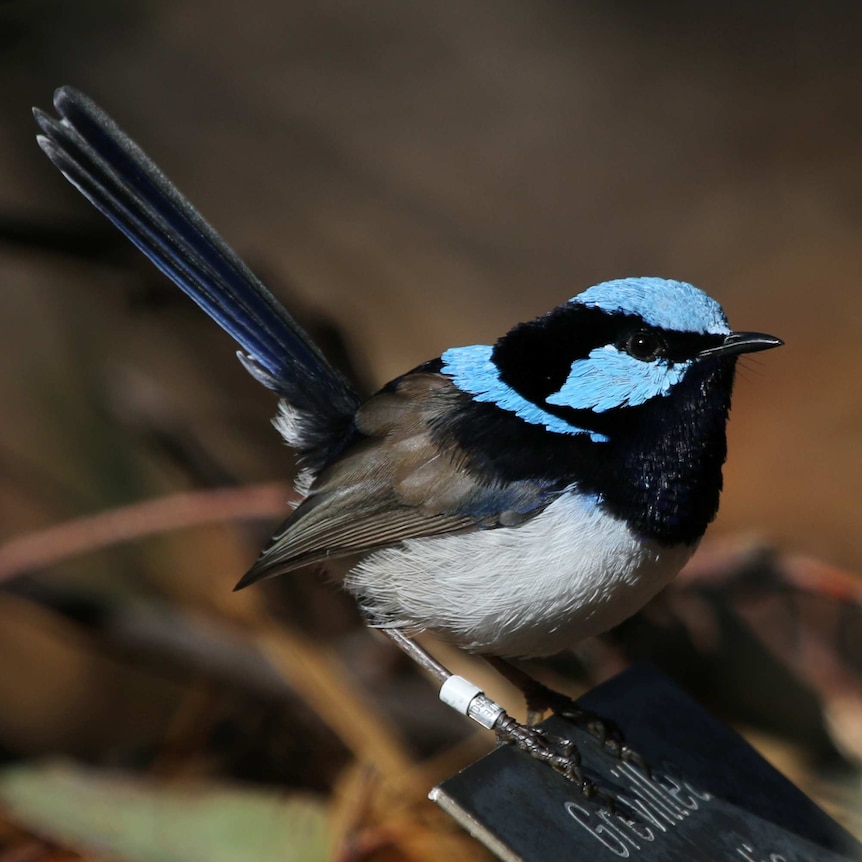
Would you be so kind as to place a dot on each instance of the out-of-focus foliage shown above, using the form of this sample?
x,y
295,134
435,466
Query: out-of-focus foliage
x,y
134,820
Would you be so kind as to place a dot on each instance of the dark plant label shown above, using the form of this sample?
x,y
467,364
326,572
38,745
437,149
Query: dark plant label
x,y
709,796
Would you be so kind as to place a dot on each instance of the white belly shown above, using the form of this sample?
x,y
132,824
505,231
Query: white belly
x,y
571,572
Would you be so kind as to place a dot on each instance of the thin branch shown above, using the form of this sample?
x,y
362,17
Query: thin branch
x,y
125,524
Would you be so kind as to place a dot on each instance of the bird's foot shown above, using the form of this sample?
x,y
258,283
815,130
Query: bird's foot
x,y
559,753
610,737
540,699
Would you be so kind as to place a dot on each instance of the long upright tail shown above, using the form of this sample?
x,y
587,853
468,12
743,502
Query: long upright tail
x,y
117,177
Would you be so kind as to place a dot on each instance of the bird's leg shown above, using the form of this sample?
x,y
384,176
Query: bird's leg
x,y
459,693
540,699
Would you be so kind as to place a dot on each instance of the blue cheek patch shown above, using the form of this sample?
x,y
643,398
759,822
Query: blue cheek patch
x,y
608,379
473,372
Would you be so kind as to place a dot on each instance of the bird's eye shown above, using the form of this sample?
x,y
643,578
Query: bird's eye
x,y
645,346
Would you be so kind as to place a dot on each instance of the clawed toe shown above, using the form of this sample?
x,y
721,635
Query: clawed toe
x,y
559,753
608,735
562,754
629,755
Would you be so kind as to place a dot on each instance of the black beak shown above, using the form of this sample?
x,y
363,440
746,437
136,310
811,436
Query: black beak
x,y
742,342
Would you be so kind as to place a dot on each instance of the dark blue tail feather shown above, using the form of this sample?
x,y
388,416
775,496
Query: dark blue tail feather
x,y
112,172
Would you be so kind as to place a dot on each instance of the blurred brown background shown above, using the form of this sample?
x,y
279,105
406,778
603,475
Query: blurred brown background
x,y
407,176
429,174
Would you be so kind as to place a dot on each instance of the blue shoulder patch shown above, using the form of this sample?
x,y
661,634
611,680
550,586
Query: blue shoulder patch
x,y
473,372
674,305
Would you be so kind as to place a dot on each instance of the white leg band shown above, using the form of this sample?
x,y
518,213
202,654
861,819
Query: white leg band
x,y
458,693
469,700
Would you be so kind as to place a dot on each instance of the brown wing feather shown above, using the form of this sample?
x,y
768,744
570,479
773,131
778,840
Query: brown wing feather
x,y
395,484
